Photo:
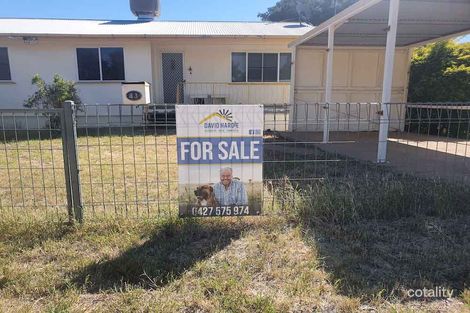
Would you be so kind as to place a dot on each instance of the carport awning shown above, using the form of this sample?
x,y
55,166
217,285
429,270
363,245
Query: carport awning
x,y
419,21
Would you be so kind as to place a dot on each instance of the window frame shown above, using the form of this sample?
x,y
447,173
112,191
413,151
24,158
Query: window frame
x,y
279,71
9,79
260,68
278,80
78,65
101,65
265,67
231,67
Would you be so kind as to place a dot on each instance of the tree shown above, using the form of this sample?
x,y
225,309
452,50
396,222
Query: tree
x,y
52,96
313,12
440,72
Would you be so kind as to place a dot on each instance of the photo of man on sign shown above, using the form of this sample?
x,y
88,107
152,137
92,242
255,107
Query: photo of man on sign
x,y
230,191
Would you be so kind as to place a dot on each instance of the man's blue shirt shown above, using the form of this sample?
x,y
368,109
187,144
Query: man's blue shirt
x,y
235,194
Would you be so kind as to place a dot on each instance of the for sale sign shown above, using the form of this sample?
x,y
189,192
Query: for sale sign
x,y
220,159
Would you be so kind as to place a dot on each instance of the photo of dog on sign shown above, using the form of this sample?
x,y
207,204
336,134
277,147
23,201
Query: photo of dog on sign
x,y
205,196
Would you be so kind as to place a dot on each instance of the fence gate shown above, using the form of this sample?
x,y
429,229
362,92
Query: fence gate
x,y
38,164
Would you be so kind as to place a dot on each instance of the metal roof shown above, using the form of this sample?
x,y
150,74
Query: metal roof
x,y
420,21
115,28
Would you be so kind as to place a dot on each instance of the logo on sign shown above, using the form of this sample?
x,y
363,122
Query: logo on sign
x,y
222,114
223,121
134,95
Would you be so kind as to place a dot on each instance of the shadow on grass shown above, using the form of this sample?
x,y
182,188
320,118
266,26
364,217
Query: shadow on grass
x,y
373,257
377,230
173,248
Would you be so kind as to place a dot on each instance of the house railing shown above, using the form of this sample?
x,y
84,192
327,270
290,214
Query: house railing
x,y
235,93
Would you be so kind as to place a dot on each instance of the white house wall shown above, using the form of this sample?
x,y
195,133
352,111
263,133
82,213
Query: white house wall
x,y
357,77
210,59
58,56
211,64
50,56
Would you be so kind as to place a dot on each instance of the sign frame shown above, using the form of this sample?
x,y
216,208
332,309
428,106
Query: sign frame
x,y
220,159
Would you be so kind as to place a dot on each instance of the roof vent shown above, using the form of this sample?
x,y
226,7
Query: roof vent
x,y
145,9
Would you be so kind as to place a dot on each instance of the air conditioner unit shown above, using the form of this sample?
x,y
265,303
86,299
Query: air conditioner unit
x,y
218,100
198,100
209,100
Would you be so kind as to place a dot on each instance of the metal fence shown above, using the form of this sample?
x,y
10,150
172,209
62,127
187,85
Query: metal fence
x,y
114,160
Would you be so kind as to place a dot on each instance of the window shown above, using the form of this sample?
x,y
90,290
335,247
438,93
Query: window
x,y
88,64
238,67
112,63
255,67
100,64
270,67
285,63
5,73
261,67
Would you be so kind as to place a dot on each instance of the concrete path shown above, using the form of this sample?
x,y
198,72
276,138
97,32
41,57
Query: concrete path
x,y
421,155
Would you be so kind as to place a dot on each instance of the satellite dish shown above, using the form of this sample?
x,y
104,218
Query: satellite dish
x,y
145,9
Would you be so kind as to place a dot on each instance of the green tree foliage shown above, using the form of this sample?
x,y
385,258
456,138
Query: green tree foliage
x,y
49,96
440,72
313,12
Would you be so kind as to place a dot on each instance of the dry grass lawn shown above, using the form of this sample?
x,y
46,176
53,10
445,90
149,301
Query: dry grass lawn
x,y
261,264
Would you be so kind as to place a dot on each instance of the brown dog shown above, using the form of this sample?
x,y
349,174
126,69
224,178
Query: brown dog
x,y
205,196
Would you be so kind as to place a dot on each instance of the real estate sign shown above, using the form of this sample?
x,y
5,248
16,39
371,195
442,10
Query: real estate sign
x,y
220,159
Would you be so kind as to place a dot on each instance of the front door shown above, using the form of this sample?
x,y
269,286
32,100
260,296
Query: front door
x,y
172,64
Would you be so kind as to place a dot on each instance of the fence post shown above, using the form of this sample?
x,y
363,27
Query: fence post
x,y
68,187
72,169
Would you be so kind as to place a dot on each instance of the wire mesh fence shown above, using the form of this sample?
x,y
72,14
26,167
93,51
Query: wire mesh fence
x,y
127,155
128,166
32,177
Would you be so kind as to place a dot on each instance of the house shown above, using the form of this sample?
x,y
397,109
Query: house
x,y
235,62
242,62
184,62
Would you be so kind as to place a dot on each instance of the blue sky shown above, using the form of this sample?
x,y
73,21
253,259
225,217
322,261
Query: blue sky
x,y
212,10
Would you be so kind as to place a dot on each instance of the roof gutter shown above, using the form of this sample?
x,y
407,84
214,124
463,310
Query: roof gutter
x,y
443,37
141,36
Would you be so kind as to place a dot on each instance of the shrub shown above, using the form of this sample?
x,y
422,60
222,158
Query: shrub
x,y
52,96
440,72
